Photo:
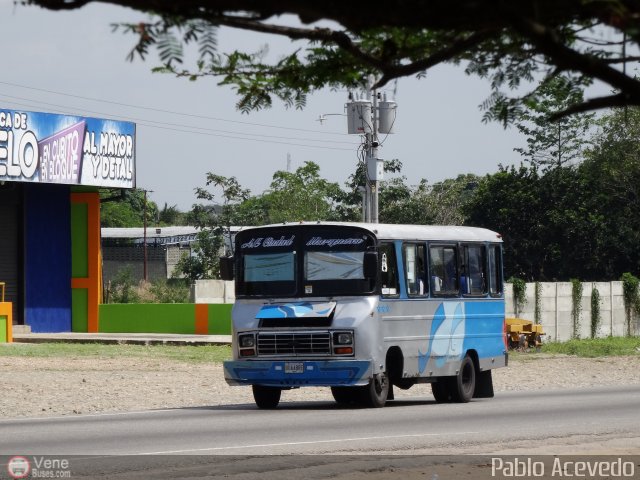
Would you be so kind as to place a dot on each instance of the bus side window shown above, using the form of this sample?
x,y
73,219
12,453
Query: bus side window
x,y
388,270
495,271
415,269
444,270
473,272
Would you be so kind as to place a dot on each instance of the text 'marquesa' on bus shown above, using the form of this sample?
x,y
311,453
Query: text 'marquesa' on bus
x,y
362,308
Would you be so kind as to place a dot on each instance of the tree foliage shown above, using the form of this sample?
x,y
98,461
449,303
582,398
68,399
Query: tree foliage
x,y
171,215
514,45
302,195
577,221
553,144
214,225
127,209
442,203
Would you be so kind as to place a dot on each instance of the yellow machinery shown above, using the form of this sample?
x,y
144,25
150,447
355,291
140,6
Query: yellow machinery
x,y
523,334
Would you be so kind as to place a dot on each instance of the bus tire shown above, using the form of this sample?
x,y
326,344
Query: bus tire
x,y
441,390
375,394
464,383
345,395
266,397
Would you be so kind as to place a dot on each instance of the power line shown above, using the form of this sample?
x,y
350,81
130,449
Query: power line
x,y
175,124
160,110
185,130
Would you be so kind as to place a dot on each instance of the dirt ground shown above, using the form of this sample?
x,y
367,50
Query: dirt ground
x,y
67,385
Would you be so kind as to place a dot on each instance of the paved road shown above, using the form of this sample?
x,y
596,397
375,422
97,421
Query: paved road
x,y
408,425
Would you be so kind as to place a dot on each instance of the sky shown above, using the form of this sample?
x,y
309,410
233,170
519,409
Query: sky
x,y
72,63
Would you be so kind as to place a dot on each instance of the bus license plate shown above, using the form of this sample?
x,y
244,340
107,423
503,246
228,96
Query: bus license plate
x,y
294,367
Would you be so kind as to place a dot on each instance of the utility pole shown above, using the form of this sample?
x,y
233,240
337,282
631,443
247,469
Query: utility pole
x,y
144,244
369,117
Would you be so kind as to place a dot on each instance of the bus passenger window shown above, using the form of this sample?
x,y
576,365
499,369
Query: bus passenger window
x,y
495,271
388,270
473,274
415,269
444,270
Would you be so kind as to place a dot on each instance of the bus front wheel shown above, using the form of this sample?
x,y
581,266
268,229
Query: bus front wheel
x,y
345,395
266,397
442,390
375,394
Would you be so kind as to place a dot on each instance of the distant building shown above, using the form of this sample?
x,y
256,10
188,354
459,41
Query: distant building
x,y
123,248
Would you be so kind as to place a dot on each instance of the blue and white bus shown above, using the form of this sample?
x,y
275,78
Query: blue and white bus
x,y
363,308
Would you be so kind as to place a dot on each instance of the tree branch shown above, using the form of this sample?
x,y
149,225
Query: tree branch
x,y
325,35
548,43
395,71
612,61
599,103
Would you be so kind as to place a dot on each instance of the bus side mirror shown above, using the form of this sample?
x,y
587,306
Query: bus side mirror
x,y
370,265
226,268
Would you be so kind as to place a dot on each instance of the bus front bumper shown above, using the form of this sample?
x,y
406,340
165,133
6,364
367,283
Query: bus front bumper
x,y
290,374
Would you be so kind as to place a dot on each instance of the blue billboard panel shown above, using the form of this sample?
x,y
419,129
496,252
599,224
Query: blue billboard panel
x,y
50,148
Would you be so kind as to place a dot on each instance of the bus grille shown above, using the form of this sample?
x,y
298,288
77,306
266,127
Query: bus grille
x,y
309,343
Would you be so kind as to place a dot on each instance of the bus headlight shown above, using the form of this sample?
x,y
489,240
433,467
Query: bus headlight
x,y
247,344
246,341
343,338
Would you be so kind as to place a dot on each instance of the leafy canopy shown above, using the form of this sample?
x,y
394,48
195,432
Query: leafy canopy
x,y
515,45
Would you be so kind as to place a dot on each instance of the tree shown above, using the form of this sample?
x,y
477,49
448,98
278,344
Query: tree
x,y
424,204
126,210
302,195
577,221
171,215
611,174
510,43
350,208
214,225
509,202
553,144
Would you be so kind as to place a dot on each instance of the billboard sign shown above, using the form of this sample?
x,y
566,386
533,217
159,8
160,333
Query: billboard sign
x,y
50,148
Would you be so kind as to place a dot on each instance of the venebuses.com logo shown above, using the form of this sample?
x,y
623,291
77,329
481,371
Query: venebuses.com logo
x,y
18,467
38,467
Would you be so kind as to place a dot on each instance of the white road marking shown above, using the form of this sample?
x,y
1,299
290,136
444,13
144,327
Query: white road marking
x,y
310,442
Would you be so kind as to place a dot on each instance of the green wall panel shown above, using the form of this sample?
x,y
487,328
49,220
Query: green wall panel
x,y
79,309
3,329
220,319
148,318
79,241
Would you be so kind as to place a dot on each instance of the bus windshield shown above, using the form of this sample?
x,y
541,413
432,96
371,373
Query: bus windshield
x,y
303,261
333,265
269,267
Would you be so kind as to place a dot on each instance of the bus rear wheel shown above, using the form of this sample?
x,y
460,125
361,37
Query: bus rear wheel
x,y
266,397
464,384
375,394
459,388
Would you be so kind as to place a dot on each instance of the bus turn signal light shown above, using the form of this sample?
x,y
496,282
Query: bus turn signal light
x,y
343,350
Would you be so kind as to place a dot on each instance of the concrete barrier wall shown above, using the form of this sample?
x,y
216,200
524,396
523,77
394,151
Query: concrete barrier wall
x,y
556,304
213,291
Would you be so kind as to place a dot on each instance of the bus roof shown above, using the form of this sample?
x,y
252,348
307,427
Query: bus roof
x,y
387,231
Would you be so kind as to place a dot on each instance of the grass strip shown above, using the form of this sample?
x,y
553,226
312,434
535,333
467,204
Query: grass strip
x,y
181,353
597,347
